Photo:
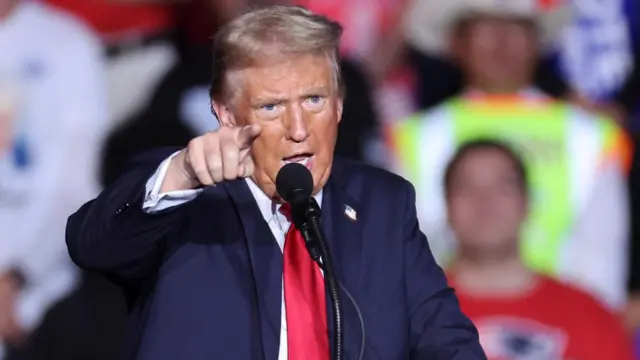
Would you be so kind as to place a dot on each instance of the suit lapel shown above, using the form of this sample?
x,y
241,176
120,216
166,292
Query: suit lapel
x,y
341,223
266,261
343,233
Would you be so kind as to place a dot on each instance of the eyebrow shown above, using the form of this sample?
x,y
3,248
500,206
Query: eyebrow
x,y
320,90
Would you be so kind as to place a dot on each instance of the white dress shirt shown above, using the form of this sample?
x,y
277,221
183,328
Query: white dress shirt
x,y
155,201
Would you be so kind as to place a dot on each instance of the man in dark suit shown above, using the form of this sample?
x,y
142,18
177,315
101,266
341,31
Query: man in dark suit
x,y
201,243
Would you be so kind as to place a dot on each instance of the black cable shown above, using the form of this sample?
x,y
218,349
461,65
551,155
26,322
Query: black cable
x,y
360,318
332,285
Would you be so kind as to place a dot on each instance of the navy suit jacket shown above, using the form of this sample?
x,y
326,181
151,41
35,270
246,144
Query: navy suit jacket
x,y
203,279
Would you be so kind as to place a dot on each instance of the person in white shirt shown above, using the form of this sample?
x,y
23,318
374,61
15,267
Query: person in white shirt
x,y
52,119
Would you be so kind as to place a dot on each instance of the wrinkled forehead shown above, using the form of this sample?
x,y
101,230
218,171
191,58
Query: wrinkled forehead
x,y
284,76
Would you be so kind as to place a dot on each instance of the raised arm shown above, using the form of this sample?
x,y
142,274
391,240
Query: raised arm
x,y
123,232
116,233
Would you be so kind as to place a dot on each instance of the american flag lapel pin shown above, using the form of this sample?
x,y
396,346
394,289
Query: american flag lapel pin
x,y
350,213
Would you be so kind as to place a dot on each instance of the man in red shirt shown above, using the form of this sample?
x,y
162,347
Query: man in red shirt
x,y
519,313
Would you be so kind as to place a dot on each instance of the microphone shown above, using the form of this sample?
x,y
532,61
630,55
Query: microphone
x,y
294,183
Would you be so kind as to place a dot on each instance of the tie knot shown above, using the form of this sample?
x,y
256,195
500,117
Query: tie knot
x,y
285,210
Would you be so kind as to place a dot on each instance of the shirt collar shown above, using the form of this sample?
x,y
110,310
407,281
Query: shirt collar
x,y
267,207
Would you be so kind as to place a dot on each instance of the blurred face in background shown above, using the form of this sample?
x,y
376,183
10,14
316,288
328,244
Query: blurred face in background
x,y
486,204
497,55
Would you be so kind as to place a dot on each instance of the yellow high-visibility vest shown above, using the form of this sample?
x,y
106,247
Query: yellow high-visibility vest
x,y
563,148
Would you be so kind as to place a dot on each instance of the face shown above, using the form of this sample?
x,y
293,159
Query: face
x,y
298,106
497,54
486,205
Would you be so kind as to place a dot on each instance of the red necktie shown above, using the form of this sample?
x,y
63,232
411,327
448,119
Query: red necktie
x,y
304,299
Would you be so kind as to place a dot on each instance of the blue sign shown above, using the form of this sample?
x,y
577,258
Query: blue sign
x,y
597,50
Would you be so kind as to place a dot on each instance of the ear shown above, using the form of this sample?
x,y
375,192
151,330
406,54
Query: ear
x,y
222,112
448,213
340,107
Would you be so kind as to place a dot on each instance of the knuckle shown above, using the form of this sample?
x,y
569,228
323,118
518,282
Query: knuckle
x,y
228,144
229,176
206,141
214,161
199,170
205,180
194,144
230,170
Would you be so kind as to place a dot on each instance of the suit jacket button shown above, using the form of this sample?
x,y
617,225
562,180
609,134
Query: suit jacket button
x,y
122,209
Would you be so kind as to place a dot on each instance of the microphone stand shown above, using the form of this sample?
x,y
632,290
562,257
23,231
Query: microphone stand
x,y
318,249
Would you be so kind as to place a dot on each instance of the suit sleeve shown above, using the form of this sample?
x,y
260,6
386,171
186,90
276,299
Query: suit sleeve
x,y
114,235
439,329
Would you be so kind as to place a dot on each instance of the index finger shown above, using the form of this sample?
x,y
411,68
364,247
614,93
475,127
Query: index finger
x,y
247,135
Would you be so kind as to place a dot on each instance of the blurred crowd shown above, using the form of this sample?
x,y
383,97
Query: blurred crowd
x,y
516,121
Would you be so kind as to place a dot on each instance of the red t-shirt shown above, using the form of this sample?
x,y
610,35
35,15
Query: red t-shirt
x,y
552,322
111,19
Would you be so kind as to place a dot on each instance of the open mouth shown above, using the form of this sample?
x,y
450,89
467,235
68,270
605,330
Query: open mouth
x,y
305,159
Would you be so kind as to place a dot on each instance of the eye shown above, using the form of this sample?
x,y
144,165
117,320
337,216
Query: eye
x,y
314,99
268,107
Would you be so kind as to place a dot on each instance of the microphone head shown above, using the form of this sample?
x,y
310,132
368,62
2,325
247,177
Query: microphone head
x,y
294,182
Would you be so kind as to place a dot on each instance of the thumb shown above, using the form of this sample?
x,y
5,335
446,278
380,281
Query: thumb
x,y
247,135
246,168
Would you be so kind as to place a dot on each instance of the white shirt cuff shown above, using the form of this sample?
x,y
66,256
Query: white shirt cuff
x,y
154,201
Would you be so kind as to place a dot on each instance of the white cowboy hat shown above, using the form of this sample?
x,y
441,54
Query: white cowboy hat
x,y
430,22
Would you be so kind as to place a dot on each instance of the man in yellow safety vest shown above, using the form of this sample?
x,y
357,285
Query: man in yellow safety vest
x,y
578,224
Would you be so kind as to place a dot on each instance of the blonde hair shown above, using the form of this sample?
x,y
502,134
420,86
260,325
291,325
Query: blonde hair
x,y
269,33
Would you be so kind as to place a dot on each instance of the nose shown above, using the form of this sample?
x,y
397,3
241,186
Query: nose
x,y
298,130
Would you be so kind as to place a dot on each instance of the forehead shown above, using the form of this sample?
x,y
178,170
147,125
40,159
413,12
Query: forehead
x,y
470,24
288,76
491,162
